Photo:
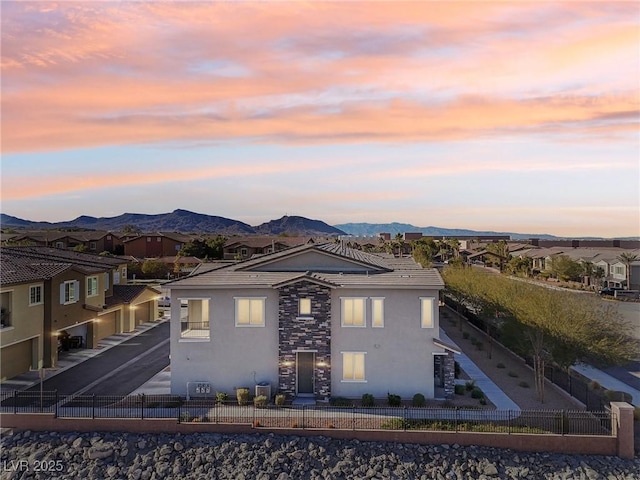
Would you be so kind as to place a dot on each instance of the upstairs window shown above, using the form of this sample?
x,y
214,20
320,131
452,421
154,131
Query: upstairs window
x,y
92,286
69,292
194,318
250,312
427,312
353,312
304,307
35,295
377,312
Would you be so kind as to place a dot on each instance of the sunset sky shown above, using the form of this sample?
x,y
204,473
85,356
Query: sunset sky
x,y
504,116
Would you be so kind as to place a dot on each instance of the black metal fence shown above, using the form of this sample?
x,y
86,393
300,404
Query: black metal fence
x,y
207,410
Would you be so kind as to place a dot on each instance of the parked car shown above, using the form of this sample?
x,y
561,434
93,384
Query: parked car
x,y
164,302
610,290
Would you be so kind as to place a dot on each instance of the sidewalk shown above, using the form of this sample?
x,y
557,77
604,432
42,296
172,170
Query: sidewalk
x,y
68,360
607,381
490,389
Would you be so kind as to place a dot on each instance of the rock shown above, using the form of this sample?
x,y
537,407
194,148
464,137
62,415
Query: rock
x,y
99,450
490,470
178,447
112,471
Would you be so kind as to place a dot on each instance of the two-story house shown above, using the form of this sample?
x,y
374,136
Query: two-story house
x,y
246,247
317,320
153,245
56,298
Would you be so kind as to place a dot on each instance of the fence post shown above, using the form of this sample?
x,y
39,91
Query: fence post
x,y
304,409
55,415
562,422
253,421
353,417
93,406
404,418
142,407
15,401
509,423
456,418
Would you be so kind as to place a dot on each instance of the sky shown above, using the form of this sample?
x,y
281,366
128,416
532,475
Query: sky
x,y
505,116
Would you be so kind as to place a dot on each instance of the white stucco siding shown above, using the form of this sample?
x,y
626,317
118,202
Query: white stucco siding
x,y
233,356
398,357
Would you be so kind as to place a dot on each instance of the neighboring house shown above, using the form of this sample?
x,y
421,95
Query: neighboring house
x,y
246,247
49,295
154,245
318,320
94,241
634,279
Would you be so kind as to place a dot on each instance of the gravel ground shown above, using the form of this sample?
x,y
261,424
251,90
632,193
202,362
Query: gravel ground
x,y
30,455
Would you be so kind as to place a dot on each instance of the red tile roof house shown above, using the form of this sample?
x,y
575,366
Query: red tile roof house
x,y
317,320
154,245
47,293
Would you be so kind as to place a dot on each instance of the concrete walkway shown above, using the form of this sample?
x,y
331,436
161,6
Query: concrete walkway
x,y
68,360
490,389
607,381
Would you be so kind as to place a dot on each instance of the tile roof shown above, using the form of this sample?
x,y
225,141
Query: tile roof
x,y
388,272
16,270
126,294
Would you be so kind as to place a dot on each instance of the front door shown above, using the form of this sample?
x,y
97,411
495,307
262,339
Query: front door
x,y
305,372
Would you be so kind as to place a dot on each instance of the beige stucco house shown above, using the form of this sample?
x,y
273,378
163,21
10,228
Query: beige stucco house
x,y
315,321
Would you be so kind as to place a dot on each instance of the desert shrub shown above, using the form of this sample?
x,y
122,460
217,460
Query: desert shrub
x,y
483,401
448,404
394,424
418,400
280,399
479,345
221,397
500,365
513,374
260,401
477,393
636,414
594,385
524,384
242,394
459,389
368,400
473,340
465,335
394,400
469,384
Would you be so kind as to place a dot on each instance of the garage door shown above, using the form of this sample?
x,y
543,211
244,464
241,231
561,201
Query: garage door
x,y
142,313
106,326
15,359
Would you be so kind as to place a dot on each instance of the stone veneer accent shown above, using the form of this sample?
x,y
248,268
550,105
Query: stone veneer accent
x,y
304,333
449,375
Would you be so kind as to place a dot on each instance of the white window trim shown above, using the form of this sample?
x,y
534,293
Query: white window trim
x,y
433,312
251,325
182,339
373,325
364,380
40,286
364,312
89,294
76,288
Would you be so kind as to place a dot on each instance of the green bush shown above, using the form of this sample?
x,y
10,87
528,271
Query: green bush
x,y
513,374
418,400
260,401
479,345
469,384
477,393
280,399
221,397
500,365
524,384
617,396
394,400
340,402
394,424
483,401
242,394
594,385
368,400
459,389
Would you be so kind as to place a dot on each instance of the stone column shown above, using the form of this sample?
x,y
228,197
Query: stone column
x,y
622,427
449,375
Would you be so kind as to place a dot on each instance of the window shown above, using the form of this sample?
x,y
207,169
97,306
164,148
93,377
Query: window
x,y
158,239
250,312
244,252
93,246
106,281
427,316
304,306
108,237
69,292
194,319
377,312
6,303
353,367
353,311
35,295
148,239
92,286
59,244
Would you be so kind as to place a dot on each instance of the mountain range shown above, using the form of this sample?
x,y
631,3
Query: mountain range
x,y
190,222
180,221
